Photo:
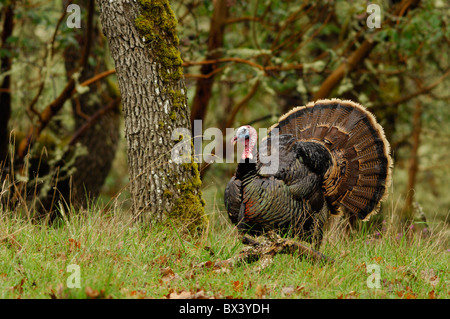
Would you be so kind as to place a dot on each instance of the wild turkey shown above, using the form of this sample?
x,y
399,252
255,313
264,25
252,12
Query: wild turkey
x,y
333,159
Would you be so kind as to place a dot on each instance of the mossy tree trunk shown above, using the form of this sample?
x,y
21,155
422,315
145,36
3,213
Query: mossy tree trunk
x,y
144,45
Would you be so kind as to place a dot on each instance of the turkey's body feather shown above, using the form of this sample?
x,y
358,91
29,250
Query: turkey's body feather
x,y
290,200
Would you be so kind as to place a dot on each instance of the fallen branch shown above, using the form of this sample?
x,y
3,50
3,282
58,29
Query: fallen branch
x,y
264,253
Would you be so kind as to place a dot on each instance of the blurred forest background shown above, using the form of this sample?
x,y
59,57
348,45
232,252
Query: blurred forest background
x,y
245,62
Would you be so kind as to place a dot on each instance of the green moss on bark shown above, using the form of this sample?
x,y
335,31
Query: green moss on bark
x,y
157,24
189,206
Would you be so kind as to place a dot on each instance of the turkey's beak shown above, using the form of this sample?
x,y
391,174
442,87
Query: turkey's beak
x,y
234,140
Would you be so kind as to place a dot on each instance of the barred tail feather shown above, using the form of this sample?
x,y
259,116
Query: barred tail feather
x,y
361,172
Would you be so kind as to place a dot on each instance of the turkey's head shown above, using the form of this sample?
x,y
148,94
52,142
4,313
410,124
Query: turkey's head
x,y
247,135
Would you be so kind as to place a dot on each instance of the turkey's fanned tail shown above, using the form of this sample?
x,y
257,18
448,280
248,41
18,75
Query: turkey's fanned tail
x,y
361,170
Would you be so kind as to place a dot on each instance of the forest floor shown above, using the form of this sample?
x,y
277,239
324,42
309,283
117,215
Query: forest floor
x,y
98,254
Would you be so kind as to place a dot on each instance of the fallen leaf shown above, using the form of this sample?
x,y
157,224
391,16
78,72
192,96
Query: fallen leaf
x,y
432,295
61,255
59,293
73,244
237,285
377,259
200,294
19,286
261,291
91,293
392,285
182,295
429,276
287,291
406,295
360,267
168,275
352,295
222,270
52,294
410,296
162,260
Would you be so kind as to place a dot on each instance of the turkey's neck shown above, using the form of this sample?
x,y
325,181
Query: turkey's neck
x,y
245,169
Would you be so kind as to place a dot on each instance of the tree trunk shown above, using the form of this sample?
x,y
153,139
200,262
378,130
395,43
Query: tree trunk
x,y
215,44
144,45
100,140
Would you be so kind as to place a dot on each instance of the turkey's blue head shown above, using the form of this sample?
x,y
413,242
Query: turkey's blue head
x,y
247,135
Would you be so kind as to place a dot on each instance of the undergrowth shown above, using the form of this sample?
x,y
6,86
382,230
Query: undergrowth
x,y
118,258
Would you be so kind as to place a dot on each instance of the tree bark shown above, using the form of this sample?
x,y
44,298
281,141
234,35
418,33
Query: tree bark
x,y
144,45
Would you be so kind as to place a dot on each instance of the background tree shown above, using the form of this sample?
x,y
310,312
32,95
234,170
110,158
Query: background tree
x,y
144,45
55,160
100,140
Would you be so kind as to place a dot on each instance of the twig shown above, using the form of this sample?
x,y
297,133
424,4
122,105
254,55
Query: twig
x,y
357,56
98,77
52,53
216,61
241,104
203,76
421,91
240,60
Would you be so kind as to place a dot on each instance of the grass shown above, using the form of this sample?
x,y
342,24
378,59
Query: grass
x,y
121,259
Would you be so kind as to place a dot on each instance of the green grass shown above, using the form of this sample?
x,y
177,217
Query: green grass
x,y
121,259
